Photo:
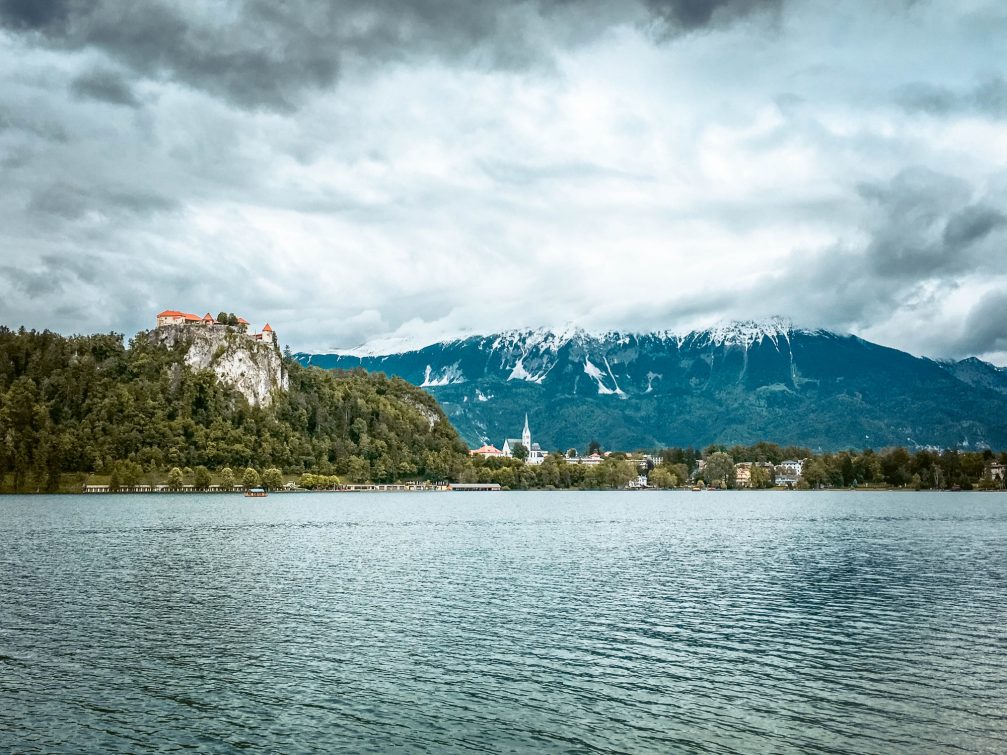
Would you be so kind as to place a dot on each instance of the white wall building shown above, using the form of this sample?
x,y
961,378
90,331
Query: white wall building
x,y
789,472
535,453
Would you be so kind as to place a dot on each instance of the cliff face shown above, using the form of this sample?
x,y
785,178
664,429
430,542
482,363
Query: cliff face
x,y
255,369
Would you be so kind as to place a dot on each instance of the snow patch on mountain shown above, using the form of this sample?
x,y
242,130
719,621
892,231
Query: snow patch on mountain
x,y
450,375
520,373
651,377
595,373
537,340
747,332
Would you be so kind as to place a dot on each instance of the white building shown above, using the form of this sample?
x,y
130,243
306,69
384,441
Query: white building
x,y
997,471
592,460
789,472
535,453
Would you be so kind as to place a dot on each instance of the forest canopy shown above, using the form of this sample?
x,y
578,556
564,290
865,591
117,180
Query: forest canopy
x,y
89,403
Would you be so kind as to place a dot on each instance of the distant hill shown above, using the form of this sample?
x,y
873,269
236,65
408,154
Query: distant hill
x,y
740,383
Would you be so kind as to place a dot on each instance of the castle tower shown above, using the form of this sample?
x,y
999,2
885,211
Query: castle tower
x,y
526,434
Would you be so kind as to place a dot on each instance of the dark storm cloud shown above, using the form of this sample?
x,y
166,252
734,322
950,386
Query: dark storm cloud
x,y
970,225
34,15
924,224
924,232
260,53
69,201
988,97
690,15
986,325
41,282
263,53
105,85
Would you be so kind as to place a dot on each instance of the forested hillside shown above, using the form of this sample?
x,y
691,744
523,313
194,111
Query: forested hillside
x,y
88,403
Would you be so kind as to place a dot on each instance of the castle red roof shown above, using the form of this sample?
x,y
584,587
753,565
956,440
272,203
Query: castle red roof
x,y
242,321
176,313
208,318
266,328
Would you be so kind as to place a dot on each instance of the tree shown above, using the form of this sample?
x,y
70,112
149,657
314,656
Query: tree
x,y
201,477
662,477
222,318
815,474
719,468
250,479
519,451
227,480
681,472
594,447
359,470
761,477
272,479
175,478
125,474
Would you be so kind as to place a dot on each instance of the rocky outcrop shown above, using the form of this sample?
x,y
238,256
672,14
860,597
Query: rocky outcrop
x,y
254,368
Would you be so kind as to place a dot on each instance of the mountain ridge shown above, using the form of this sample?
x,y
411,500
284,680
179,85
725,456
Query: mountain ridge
x,y
738,382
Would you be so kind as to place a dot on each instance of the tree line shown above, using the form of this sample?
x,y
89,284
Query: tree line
x,y
921,469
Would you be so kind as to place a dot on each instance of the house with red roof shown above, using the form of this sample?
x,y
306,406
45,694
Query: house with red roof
x,y
486,451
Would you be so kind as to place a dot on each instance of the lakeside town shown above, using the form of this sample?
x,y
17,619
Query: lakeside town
x,y
522,464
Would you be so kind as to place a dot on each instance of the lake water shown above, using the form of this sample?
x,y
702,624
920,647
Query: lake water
x,y
556,622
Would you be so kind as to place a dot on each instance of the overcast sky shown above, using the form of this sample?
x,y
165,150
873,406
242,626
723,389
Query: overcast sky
x,y
415,169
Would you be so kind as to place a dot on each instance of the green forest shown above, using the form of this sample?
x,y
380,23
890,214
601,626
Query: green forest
x,y
92,404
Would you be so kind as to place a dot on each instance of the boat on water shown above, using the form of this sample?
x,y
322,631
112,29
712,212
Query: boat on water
x,y
255,493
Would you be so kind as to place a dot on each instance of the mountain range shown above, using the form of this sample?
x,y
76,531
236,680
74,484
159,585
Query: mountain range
x,y
738,383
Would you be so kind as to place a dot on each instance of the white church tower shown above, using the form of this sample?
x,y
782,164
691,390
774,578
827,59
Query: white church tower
x,y
526,434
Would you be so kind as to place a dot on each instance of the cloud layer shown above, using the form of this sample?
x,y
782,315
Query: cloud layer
x,y
413,170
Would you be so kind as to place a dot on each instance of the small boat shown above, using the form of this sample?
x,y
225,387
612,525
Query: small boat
x,y
255,493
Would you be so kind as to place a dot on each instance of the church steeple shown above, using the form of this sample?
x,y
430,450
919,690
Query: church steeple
x,y
526,434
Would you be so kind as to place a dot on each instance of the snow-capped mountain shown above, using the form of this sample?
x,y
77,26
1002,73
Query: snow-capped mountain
x,y
738,382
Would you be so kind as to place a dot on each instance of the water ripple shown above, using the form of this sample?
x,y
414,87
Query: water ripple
x,y
575,623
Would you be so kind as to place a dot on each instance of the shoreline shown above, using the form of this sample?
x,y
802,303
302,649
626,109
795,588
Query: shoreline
x,y
362,489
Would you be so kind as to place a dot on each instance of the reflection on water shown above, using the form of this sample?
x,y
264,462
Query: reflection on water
x,y
574,622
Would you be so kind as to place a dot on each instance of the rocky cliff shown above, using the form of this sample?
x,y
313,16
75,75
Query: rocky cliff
x,y
254,368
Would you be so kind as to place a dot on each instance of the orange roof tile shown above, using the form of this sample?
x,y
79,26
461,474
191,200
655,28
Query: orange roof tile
x,y
266,328
487,449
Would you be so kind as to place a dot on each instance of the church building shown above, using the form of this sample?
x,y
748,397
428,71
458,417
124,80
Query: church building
x,y
535,453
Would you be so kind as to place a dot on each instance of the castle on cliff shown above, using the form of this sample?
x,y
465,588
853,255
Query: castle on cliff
x,y
171,317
